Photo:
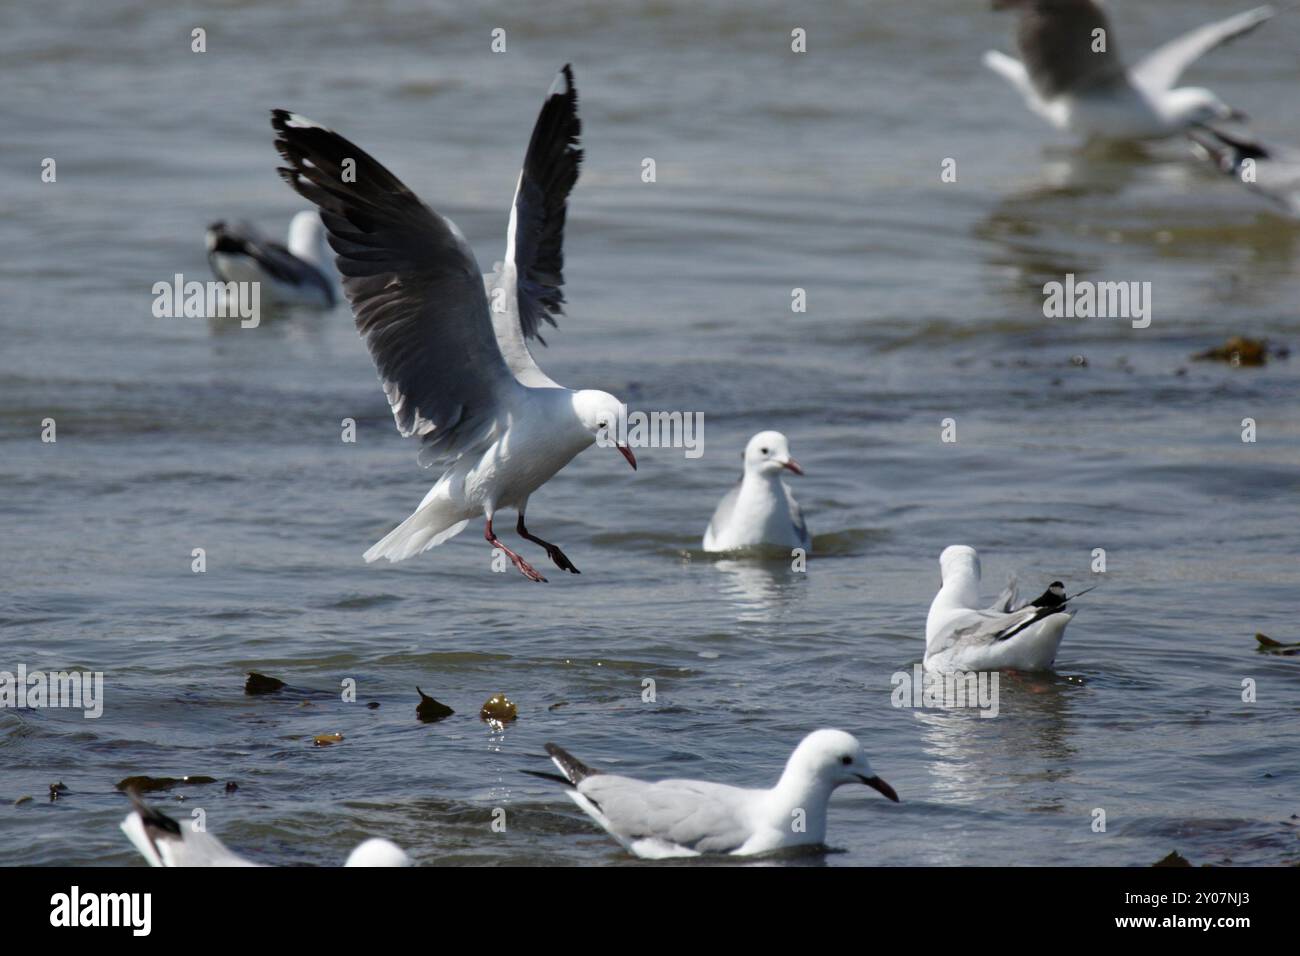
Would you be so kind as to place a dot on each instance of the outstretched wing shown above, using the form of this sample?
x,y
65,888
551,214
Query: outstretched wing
x,y
415,290
527,287
1062,48
1160,69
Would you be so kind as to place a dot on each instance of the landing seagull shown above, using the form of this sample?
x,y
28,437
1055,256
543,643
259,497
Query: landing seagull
x,y
1073,77
960,637
164,842
301,274
671,818
458,375
760,510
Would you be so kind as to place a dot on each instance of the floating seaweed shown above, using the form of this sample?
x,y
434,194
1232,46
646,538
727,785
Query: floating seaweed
x,y
1173,859
325,740
261,684
145,784
1269,646
1239,350
499,709
428,710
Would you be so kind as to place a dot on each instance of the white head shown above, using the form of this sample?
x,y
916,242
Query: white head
x,y
1195,105
599,416
827,759
377,852
768,453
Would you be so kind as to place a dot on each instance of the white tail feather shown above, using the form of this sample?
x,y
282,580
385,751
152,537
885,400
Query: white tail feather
x,y
427,528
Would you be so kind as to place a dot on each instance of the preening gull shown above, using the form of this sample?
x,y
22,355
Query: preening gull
x,y
1072,74
459,374
165,842
301,274
961,637
760,510
1273,173
670,818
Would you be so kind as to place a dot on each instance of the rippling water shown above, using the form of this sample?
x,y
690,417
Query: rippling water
x,y
775,171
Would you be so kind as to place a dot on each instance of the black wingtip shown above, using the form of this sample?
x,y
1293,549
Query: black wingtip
x,y
574,769
153,819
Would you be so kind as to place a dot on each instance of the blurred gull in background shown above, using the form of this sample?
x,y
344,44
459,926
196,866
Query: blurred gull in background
x,y
301,274
1072,74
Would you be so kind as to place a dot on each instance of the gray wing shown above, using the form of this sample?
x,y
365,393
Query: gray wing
x,y
1006,601
416,292
531,278
1160,69
1056,43
796,514
705,817
975,628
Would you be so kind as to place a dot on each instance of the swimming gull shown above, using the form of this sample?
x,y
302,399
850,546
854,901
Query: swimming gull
x,y
458,374
759,509
1072,74
165,842
300,274
961,637
670,818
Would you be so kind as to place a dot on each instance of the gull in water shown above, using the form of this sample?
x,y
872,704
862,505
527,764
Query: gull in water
x,y
458,373
164,842
301,274
1006,636
1272,173
1073,77
759,509
669,818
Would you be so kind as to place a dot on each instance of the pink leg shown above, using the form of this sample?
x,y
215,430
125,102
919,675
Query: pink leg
x,y
526,569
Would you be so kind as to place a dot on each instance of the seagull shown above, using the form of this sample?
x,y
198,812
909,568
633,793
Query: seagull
x,y
1273,173
760,510
672,818
458,373
958,637
164,842
1076,83
302,274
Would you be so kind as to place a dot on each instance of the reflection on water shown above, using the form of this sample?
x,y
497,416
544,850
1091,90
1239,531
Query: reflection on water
x,y
1028,740
759,589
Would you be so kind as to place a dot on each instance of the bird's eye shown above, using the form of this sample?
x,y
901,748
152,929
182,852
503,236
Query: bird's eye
x,y
602,424
763,451
846,760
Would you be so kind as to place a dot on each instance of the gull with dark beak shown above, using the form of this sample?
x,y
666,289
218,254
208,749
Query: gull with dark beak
x,y
452,354
760,510
670,818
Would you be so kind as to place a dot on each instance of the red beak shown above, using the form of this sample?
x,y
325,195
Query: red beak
x,y
793,466
627,453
